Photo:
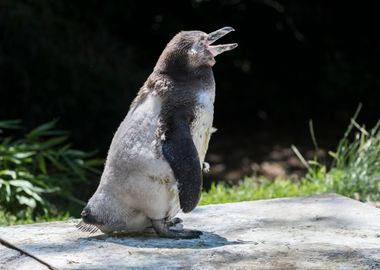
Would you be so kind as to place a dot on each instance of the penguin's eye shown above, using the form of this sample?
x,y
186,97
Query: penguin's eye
x,y
193,51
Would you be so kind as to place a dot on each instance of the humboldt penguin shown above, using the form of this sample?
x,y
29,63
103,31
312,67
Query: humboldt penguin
x,y
154,164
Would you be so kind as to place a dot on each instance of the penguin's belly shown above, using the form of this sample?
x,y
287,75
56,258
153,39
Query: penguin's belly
x,y
201,128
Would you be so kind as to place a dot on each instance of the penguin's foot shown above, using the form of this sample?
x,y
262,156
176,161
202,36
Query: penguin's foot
x,y
174,222
163,229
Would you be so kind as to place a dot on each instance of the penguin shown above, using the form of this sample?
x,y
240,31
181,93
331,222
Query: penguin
x,y
154,165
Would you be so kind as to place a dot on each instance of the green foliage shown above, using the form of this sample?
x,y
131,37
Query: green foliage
x,y
7,219
258,189
40,171
355,171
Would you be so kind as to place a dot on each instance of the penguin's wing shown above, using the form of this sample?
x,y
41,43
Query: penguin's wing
x,y
179,150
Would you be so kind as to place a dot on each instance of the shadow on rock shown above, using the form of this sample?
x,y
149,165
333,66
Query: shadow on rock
x,y
206,240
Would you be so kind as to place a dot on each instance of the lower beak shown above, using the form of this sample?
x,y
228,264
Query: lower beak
x,y
214,36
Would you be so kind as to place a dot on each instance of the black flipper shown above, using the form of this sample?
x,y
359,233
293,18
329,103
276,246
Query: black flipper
x,y
179,150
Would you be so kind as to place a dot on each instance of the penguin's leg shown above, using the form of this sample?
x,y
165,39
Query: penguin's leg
x,y
162,228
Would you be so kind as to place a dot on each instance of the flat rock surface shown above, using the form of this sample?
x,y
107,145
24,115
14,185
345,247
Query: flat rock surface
x,y
320,232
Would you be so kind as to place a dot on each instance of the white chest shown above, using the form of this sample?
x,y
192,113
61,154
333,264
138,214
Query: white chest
x,y
202,125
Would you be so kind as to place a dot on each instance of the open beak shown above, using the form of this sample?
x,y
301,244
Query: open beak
x,y
214,36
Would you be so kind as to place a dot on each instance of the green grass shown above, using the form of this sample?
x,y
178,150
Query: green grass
x,y
260,188
355,172
7,219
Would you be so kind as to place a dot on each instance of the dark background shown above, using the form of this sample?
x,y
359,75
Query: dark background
x,y
84,61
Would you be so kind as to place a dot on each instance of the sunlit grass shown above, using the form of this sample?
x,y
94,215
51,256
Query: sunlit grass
x,y
7,218
260,188
355,173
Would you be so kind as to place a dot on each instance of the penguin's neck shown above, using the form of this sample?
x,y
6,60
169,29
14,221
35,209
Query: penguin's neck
x,y
183,74
178,69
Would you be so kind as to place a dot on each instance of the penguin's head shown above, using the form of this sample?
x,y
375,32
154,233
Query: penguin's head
x,y
194,49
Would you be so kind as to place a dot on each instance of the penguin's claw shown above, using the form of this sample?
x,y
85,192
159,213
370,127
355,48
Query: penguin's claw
x,y
163,230
174,222
184,234
190,234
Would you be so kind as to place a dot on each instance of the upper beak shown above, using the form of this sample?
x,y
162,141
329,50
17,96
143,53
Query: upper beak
x,y
213,36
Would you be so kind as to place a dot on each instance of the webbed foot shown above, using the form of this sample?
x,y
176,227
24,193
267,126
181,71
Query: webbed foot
x,y
174,222
163,229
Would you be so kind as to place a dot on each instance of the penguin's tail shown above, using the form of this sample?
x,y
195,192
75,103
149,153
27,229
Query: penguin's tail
x,y
86,227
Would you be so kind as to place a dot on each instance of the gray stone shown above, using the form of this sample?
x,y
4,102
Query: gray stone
x,y
320,232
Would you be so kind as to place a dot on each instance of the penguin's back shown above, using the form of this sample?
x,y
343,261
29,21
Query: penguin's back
x,y
146,180
134,146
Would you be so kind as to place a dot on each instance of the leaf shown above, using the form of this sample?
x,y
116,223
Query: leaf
x,y
54,133
300,157
41,164
10,124
37,197
12,174
8,192
22,155
94,162
92,169
26,201
63,149
44,130
55,162
51,190
25,174
76,153
6,141
34,194
52,142
21,183
44,127
75,168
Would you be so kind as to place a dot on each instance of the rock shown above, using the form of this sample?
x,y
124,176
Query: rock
x,y
320,232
